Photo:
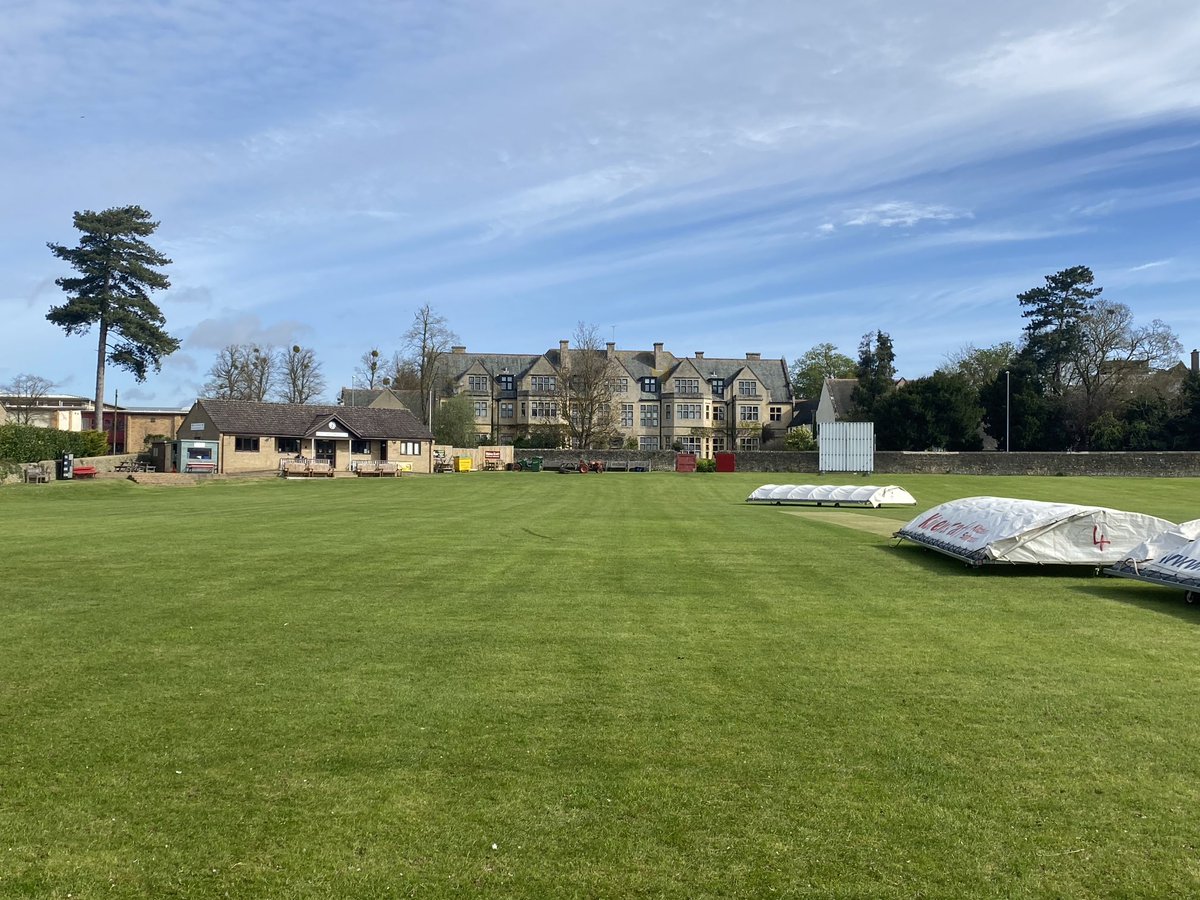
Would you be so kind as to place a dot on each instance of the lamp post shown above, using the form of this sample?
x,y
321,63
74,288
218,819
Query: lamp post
x,y
1007,417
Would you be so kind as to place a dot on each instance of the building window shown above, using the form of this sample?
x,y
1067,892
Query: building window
x,y
718,412
748,443
718,443
506,410
287,445
410,448
650,416
688,411
523,409
618,385
477,384
689,444
748,388
648,443
543,409
748,413
245,444
360,447
687,385
626,415
543,384
776,413
505,382
667,412
481,409
650,385
718,387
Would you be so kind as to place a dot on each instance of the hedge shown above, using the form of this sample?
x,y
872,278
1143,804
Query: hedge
x,y
28,443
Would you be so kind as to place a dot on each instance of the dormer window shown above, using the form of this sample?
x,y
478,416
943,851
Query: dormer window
x,y
505,382
649,385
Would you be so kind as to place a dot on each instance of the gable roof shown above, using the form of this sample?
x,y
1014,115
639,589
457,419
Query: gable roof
x,y
298,420
772,374
841,393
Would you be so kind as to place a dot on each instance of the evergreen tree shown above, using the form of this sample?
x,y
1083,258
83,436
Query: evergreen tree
x,y
118,270
940,411
876,372
1055,311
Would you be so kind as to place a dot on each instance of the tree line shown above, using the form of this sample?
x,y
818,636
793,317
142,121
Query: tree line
x,y
1083,376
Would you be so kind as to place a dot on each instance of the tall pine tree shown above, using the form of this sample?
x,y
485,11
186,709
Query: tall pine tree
x,y
1054,311
118,270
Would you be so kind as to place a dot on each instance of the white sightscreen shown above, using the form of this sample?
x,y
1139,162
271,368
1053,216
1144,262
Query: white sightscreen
x,y
847,447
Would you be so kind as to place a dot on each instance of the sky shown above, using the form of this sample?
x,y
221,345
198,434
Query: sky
x,y
727,177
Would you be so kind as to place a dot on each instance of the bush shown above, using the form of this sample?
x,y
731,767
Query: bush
x,y
27,443
706,465
800,439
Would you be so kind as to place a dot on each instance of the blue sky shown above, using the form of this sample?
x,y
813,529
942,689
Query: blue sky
x,y
723,176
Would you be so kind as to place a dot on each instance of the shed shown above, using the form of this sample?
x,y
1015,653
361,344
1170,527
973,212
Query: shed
x,y
990,530
831,495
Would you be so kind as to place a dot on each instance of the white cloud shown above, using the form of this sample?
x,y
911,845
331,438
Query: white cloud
x,y
893,213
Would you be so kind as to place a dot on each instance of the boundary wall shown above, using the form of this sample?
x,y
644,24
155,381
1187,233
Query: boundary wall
x,y
1177,464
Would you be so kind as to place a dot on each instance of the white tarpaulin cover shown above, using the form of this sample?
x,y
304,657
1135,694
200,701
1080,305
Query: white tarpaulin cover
x,y
832,495
1171,558
982,530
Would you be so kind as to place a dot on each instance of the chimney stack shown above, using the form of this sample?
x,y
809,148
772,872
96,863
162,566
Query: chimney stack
x,y
699,354
563,347
660,358
610,348
1196,362
458,349
753,356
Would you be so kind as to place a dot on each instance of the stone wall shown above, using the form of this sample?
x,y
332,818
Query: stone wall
x,y
891,462
887,462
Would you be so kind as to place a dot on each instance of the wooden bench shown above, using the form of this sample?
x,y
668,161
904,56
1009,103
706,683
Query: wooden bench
x,y
201,468
389,469
36,474
83,472
618,465
320,467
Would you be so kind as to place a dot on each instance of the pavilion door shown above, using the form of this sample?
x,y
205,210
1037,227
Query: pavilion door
x,y
327,450
383,451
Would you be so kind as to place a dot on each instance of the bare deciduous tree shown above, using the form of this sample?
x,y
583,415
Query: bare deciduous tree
x,y
371,368
585,390
1113,358
427,340
26,392
262,370
242,372
300,376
